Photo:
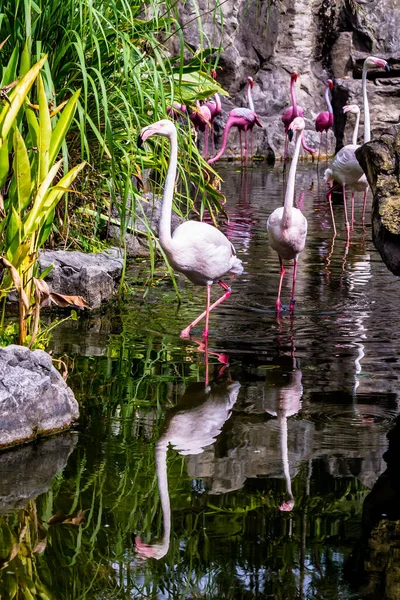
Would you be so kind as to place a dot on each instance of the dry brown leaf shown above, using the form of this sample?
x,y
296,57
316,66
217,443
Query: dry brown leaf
x,y
40,546
3,42
78,519
16,281
64,301
57,518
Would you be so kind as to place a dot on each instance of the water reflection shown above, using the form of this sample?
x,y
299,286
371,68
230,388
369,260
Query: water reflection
x,y
190,427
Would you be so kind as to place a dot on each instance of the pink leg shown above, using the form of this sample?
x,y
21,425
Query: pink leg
x,y
326,152
251,144
331,209
278,305
212,139
246,149
285,150
206,143
320,144
352,211
241,149
346,218
294,283
364,207
186,332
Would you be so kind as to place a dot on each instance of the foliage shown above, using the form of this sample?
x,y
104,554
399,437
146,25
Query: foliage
x,y
31,183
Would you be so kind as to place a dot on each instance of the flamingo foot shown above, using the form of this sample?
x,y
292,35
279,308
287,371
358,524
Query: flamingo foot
x,y
278,306
185,333
205,334
291,307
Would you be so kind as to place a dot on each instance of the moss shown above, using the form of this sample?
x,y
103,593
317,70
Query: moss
x,y
389,211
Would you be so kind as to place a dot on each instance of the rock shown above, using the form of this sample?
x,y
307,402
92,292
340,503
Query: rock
x,y
34,398
380,161
320,39
93,276
148,214
27,472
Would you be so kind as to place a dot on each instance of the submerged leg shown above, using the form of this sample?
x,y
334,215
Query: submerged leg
x,y
364,207
346,218
294,283
278,305
331,209
186,332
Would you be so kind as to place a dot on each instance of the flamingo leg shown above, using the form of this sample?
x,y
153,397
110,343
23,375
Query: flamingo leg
x,y
352,211
364,207
241,149
320,144
285,150
246,148
326,151
278,305
292,301
346,218
212,139
186,332
331,209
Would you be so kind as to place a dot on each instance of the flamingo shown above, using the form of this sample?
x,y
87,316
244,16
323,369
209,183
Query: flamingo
x,y
287,226
176,110
215,108
355,110
324,120
199,250
291,113
201,119
242,118
345,168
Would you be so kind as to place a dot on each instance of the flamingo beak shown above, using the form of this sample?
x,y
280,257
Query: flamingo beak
x,y
387,68
330,84
143,135
290,134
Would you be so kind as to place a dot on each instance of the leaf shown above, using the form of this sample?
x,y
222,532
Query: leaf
x,y
16,281
45,132
64,301
22,171
62,126
17,98
40,546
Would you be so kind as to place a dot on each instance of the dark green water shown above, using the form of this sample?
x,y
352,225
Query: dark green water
x,y
300,414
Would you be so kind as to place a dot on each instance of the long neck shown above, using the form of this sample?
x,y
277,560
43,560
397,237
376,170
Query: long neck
x,y
228,125
250,97
218,105
355,132
329,105
166,210
161,465
288,205
293,96
367,123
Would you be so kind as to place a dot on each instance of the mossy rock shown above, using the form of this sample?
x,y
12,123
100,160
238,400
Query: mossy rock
x,y
389,210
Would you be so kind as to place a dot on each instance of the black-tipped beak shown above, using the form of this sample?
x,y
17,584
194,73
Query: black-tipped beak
x,y
342,111
140,141
290,134
387,68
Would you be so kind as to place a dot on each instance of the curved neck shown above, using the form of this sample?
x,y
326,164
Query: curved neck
x,y
355,132
250,97
328,100
218,105
164,233
293,96
288,205
228,125
162,477
367,123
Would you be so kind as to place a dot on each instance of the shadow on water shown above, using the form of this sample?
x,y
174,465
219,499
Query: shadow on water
x,y
192,477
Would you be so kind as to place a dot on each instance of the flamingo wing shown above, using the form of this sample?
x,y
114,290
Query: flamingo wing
x,y
345,167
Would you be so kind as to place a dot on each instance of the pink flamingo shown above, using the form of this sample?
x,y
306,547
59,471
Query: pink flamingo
x,y
201,119
345,168
215,108
242,118
324,120
199,250
291,113
287,226
176,110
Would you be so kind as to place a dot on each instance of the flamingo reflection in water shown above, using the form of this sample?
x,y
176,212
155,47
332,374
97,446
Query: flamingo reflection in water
x,y
189,428
282,395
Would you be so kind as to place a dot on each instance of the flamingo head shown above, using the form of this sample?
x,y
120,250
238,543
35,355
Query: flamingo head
x,y
251,81
214,74
294,76
329,83
351,108
372,62
165,128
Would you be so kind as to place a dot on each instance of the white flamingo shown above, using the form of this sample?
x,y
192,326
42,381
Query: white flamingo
x,y
200,251
354,109
287,226
345,168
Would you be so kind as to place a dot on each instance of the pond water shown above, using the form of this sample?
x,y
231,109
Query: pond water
x,y
171,489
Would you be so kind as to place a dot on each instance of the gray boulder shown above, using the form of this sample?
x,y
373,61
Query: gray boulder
x,y
380,161
34,398
93,276
27,472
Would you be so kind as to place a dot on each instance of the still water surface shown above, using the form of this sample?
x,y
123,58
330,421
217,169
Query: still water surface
x,y
171,489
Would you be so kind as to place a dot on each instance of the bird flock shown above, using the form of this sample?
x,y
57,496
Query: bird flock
x,y
201,251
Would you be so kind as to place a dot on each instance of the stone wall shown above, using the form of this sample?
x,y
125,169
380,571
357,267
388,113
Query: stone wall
x,y
318,38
